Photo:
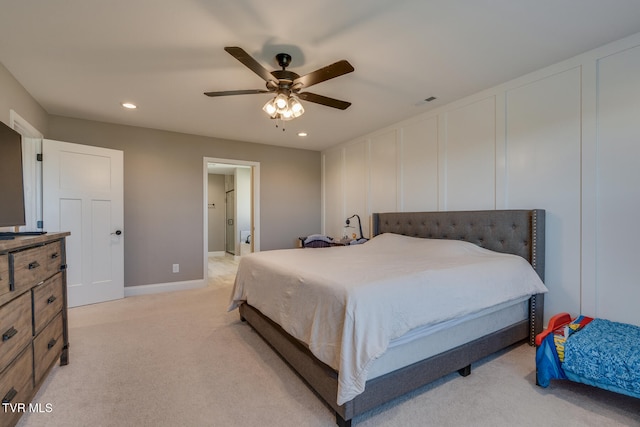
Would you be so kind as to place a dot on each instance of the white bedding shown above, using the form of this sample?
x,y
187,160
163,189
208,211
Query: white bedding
x,y
347,303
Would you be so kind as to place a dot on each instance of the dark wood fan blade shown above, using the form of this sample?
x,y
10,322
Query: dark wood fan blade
x,y
236,92
323,74
324,100
250,63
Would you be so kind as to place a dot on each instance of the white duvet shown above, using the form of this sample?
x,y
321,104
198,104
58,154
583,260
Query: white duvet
x,y
348,302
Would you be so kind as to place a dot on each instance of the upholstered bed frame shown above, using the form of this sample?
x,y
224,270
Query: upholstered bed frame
x,y
519,232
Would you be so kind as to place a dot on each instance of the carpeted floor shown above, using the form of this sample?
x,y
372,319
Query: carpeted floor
x,y
180,359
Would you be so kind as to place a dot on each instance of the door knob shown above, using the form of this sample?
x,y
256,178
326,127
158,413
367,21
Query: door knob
x,y
117,233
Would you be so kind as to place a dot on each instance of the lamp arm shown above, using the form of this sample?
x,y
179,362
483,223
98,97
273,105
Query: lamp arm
x,y
359,223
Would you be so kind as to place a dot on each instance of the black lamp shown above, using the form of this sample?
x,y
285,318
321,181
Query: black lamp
x,y
359,223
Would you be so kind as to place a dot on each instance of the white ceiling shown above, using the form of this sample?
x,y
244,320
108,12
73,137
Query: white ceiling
x,y
82,58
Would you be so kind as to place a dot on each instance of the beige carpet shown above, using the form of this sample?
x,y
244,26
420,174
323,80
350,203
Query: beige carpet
x,y
180,359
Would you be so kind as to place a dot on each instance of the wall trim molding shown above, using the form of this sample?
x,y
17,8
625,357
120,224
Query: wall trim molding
x,y
130,291
22,126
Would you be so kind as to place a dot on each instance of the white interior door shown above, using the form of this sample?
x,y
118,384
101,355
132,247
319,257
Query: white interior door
x,y
83,194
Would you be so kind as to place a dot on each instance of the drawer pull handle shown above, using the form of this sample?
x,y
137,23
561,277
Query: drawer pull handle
x,y
51,343
54,255
33,265
51,299
9,334
9,396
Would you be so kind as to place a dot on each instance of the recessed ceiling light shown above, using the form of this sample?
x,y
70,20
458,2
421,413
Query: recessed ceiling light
x,y
129,105
302,134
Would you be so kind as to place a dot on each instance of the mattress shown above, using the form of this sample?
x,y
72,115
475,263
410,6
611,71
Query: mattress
x,y
426,342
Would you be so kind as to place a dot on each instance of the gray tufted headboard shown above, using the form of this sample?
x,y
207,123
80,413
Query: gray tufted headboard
x,y
519,232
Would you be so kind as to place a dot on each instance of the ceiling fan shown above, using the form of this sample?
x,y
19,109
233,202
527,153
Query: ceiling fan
x,y
286,85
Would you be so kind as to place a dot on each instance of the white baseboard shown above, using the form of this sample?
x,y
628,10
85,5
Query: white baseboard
x,y
130,291
217,253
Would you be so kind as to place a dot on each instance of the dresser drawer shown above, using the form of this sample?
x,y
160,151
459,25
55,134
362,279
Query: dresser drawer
x,y
16,385
47,301
47,346
15,327
4,275
33,265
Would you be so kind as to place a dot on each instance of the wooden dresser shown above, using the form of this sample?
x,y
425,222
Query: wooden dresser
x,y
33,319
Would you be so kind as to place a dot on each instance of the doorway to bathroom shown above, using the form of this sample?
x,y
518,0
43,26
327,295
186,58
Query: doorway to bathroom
x,y
231,214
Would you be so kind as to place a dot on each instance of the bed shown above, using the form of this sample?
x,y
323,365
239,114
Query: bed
x,y
393,365
597,352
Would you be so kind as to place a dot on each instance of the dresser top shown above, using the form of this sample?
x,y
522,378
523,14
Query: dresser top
x,y
21,241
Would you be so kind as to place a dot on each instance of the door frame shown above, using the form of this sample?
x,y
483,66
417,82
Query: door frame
x,y
226,220
255,204
32,175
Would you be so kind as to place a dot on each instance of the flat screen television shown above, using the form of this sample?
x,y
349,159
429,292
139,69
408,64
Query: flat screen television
x,y
11,179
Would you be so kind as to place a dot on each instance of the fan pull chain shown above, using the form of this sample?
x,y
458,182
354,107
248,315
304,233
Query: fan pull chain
x,y
277,120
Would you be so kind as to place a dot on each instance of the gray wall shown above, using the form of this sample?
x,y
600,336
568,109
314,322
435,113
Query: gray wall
x,y
163,193
14,97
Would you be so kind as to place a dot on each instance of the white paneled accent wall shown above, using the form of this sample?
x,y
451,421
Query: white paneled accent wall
x,y
419,166
618,186
564,139
356,183
383,172
543,170
333,191
469,144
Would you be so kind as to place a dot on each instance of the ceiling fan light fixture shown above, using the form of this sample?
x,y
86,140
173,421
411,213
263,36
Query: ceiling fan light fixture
x,y
295,106
281,101
285,85
284,107
270,108
286,115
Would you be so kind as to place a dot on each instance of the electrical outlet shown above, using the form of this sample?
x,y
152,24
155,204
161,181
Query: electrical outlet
x,y
176,268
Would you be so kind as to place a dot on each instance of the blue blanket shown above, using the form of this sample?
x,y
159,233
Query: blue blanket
x,y
604,354
548,366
